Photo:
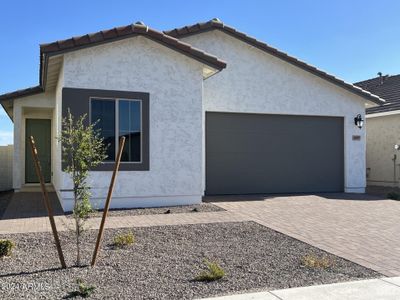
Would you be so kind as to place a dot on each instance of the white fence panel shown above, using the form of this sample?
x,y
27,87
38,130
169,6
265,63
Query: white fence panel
x,y
6,167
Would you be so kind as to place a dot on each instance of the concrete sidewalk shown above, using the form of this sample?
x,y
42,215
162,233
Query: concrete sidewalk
x,y
373,289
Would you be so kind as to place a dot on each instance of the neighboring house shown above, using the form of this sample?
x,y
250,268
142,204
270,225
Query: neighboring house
x,y
263,122
383,131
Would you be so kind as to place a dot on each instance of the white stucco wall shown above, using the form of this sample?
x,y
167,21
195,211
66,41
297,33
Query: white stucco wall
x,y
257,82
382,134
57,124
39,106
174,82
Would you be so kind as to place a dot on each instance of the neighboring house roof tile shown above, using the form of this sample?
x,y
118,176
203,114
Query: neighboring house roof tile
x,y
104,36
218,25
386,87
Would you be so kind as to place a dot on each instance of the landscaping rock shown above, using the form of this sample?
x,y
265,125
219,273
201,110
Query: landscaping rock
x,y
163,262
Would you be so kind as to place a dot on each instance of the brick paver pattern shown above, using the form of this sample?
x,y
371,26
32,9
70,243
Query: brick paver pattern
x,y
364,231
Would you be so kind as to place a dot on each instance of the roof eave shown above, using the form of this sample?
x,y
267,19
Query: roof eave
x,y
2,105
382,113
19,94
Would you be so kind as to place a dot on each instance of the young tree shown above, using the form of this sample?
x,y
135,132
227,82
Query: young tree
x,y
82,150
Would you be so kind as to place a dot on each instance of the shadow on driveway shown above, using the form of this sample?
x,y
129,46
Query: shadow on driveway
x,y
5,198
27,205
266,197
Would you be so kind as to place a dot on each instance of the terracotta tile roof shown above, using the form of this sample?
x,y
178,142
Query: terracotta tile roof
x,y
216,24
128,31
386,87
110,35
169,38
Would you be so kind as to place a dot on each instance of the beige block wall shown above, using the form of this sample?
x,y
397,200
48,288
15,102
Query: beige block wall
x,y
383,133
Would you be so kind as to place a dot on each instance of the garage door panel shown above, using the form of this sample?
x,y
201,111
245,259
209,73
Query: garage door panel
x,y
255,177
253,153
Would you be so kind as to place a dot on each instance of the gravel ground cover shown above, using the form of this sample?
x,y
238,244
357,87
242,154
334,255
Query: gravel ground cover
x,y
203,207
163,262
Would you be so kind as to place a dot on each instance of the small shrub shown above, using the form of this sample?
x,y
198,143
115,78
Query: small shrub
x,y
213,272
123,240
83,291
314,261
6,247
393,196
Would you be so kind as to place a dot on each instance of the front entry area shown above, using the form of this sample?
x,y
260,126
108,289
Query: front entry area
x,y
40,129
262,154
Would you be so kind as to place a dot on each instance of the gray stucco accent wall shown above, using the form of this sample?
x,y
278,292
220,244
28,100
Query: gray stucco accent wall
x,y
78,101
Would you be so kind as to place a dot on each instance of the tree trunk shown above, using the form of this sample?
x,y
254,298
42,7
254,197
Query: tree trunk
x,y
77,228
78,249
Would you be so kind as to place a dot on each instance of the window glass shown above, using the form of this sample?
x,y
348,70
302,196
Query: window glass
x,y
103,111
130,127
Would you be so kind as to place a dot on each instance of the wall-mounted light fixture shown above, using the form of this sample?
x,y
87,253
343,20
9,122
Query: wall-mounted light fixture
x,y
359,121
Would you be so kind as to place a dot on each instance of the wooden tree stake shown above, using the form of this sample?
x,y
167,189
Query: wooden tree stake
x,y
46,200
107,204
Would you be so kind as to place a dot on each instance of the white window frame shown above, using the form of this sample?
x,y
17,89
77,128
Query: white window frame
x,y
116,102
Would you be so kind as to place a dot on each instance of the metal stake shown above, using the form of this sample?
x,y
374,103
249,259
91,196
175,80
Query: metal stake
x,y
46,200
107,204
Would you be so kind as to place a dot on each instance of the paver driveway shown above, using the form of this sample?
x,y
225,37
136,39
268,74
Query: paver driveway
x,y
361,228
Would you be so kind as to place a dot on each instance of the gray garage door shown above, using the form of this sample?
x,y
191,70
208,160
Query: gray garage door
x,y
256,153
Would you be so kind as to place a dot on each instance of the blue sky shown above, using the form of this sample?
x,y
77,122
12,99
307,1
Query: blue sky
x,y
350,39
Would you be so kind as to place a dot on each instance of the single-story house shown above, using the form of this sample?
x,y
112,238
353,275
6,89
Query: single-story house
x,y
206,109
383,131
